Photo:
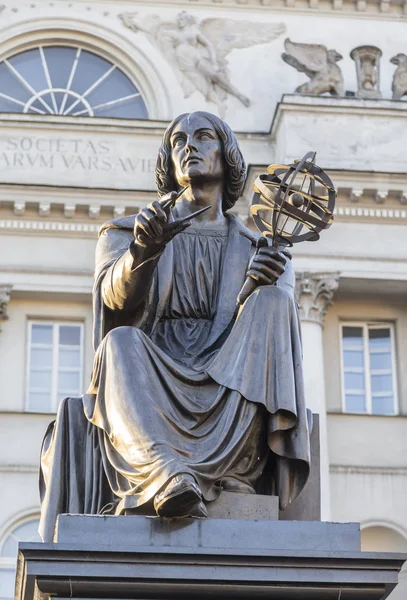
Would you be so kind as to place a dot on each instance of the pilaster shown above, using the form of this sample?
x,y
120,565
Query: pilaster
x,y
314,292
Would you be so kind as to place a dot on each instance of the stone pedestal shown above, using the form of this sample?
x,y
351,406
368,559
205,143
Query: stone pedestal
x,y
151,558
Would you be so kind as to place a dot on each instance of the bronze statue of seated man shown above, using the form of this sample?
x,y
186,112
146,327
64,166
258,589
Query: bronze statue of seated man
x,y
189,395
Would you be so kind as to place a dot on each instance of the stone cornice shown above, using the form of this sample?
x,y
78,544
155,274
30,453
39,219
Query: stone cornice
x,y
333,105
44,226
385,9
365,470
314,294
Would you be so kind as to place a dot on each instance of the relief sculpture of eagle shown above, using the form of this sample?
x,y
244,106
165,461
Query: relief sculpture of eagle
x,y
319,64
198,49
399,83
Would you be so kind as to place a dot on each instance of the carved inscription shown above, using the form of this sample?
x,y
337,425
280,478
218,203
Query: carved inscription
x,y
69,154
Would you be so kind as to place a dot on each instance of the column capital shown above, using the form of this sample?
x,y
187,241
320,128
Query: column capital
x,y
314,293
5,292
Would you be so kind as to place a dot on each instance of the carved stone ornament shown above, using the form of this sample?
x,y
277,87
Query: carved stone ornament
x,y
319,64
5,292
314,293
399,83
367,59
198,50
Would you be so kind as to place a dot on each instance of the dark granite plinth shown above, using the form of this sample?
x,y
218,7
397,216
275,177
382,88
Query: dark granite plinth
x,y
151,558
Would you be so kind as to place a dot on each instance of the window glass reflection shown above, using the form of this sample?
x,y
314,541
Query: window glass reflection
x,y
67,80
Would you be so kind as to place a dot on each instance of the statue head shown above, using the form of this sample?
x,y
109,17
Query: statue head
x,y
334,56
184,19
399,59
224,156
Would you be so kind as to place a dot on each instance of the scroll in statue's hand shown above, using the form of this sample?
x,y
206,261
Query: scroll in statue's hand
x,y
267,265
152,228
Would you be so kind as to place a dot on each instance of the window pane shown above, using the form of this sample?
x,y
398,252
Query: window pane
x,y
381,383
379,338
29,65
353,358
380,360
90,68
352,337
40,70
69,357
8,106
68,382
40,380
39,401
11,85
41,334
130,109
355,403
60,60
69,335
41,357
355,381
383,405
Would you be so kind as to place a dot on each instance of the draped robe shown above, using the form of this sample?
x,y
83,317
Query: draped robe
x,y
183,385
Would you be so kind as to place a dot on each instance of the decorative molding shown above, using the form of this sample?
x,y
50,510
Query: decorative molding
x,y
47,226
19,208
44,209
94,212
19,468
380,196
364,470
314,293
5,293
368,8
375,213
119,211
355,195
69,210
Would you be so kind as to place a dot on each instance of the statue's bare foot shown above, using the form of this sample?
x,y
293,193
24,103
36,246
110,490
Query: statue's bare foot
x,y
230,484
181,498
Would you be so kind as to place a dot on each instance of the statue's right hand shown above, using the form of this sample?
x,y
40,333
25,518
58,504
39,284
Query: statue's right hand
x,y
152,228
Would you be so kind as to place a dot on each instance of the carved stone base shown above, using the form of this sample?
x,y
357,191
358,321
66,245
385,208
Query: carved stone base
x,y
231,505
117,558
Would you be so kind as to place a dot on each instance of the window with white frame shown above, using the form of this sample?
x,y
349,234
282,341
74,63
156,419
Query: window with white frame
x,y
24,532
369,368
67,80
55,364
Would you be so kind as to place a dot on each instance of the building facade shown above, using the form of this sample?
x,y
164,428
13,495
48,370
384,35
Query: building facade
x,y
87,89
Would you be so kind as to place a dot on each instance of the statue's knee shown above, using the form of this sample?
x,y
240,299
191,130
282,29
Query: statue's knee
x,y
121,335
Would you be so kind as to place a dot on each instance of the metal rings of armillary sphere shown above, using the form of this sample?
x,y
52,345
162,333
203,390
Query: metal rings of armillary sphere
x,y
286,206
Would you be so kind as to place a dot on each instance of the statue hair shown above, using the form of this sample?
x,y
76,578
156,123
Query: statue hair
x,y
235,166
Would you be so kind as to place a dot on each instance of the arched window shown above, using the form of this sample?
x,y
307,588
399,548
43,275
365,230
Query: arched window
x,y
67,80
24,532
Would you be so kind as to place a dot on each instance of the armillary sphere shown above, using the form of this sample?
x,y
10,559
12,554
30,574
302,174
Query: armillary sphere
x,y
286,206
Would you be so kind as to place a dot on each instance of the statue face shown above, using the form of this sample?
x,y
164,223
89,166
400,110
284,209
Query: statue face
x,y
196,150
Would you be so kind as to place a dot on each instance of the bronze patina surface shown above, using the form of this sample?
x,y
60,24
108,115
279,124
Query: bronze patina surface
x,y
189,395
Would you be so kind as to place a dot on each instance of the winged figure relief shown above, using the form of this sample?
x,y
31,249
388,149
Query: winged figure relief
x,y
319,64
198,50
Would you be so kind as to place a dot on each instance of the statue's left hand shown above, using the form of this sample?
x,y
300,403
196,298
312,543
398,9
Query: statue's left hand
x,y
267,265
